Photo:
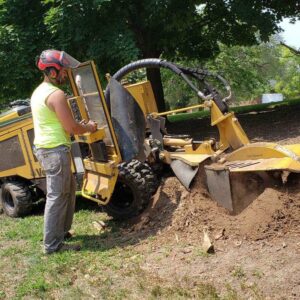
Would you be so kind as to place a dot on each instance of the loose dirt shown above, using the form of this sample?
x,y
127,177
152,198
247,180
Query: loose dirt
x,y
256,253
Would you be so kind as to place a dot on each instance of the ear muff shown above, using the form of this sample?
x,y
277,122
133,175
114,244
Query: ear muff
x,y
52,73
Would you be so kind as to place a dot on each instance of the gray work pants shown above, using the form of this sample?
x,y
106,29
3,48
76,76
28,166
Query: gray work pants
x,y
61,189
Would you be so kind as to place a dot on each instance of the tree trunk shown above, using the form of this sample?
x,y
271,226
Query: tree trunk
x,y
154,77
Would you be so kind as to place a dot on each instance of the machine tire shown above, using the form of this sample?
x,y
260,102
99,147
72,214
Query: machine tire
x,y
16,200
147,173
135,186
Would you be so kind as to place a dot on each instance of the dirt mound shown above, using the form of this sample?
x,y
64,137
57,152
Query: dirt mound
x,y
256,252
275,212
174,211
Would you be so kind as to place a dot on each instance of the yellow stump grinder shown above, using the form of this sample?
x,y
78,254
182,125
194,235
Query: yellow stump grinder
x,y
115,166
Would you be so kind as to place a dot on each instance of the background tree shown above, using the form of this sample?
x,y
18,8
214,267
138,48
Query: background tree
x,y
251,71
288,81
192,29
116,32
21,36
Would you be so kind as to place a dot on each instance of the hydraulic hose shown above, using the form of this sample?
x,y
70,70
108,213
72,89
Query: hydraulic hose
x,y
149,63
181,71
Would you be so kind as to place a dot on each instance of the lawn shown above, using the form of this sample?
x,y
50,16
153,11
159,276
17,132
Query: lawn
x,y
111,265
107,267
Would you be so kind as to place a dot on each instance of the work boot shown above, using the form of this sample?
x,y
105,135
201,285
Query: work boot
x,y
69,234
65,247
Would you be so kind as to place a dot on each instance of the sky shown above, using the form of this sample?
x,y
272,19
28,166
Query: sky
x,y
291,33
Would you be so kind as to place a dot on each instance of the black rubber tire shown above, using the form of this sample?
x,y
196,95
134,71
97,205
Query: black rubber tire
x,y
146,173
16,199
135,186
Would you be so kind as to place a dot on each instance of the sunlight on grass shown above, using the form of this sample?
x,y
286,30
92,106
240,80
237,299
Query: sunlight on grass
x,y
108,267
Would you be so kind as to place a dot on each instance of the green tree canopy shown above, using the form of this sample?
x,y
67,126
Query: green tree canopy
x,y
22,34
288,81
117,32
251,71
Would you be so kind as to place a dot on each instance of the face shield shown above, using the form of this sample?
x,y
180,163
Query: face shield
x,y
67,61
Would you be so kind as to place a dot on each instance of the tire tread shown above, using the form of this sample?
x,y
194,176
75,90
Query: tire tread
x,y
142,180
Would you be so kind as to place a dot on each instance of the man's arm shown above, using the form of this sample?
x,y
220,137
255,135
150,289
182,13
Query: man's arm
x,y
57,102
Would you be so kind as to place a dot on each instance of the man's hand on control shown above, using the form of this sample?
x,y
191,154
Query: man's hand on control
x,y
91,126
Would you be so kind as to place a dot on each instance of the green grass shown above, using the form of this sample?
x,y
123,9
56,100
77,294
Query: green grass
x,y
106,268
239,109
109,266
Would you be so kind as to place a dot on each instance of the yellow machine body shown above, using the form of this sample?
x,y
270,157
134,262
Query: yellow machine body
x,y
237,171
97,169
142,92
16,145
16,141
193,153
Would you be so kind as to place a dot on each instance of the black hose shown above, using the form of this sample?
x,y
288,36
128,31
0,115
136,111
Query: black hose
x,y
148,63
159,63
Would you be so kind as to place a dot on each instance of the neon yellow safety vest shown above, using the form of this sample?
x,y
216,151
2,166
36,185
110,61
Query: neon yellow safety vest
x,y
48,131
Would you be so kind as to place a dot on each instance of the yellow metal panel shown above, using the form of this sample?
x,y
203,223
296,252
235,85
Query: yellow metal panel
x,y
18,124
12,117
143,94
9,116
230,130
295,148
271,164
99,188
191,159
105,168
232,133
217,116
203,148
262,151
32,168
91,137
25,170
35,166
79,101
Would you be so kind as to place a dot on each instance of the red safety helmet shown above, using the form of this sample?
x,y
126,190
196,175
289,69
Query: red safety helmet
x,y
56,59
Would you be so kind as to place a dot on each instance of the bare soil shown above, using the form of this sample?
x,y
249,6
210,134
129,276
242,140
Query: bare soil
x,y
256,253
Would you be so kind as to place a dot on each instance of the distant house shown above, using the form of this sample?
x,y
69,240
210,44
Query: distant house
x,y
273,97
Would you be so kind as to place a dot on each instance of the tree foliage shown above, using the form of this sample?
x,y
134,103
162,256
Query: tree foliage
x,y
251,71
248,69
114,33
288,81
21,35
